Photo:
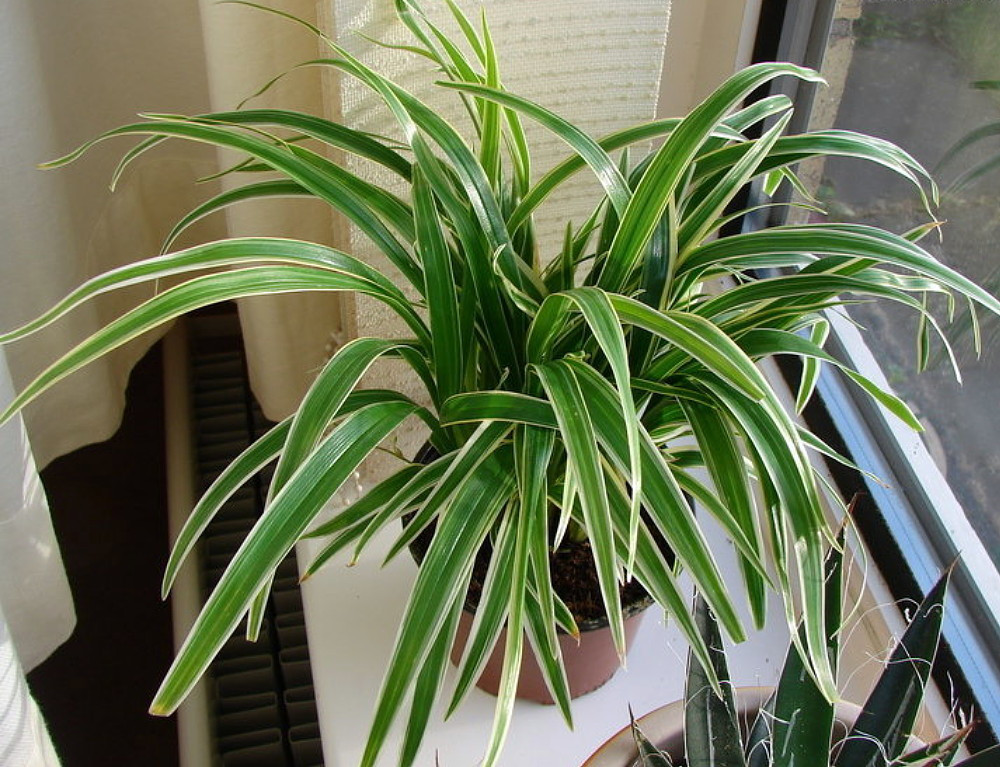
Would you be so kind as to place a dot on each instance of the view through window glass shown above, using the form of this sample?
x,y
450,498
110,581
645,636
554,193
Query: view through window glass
x,y
926,75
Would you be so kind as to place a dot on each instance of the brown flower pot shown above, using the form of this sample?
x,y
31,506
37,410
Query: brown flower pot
x,y
589,663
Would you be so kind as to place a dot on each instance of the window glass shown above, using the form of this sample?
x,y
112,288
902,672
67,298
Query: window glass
x,y
926,75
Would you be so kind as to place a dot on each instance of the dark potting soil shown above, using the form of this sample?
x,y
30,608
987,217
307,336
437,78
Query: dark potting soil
x,y
574,579
574,576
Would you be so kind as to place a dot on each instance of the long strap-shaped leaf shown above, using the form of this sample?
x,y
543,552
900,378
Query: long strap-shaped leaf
x,y
657,576
334,134
587,148
850,240
491,612
324,399
828,143
703,218
322,177
698,338
599,312
233,477
661,493
802,715
672,162
760,343
440,582
193,294
574,417
774,438
281,525
479,448
413,116
429,681
726,466
441,291
236,251
728,130
533,449
663,499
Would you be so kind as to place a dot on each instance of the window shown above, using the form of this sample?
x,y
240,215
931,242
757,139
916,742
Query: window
x,y
926,75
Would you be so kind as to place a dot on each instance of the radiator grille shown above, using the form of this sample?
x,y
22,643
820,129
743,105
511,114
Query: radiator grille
x,y
262,701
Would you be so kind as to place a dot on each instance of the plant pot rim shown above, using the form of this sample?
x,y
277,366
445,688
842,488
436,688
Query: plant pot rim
x,y
666,723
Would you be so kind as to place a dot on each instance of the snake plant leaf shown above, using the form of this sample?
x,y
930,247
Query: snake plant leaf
x,y
272,537
576,428
802,716
649,755
438,586
879,734
711,729
262,452
940,752
984,758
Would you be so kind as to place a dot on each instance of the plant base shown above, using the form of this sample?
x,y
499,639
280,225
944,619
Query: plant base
x,y
589,663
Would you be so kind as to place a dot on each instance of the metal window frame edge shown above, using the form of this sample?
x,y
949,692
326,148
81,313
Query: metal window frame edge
x,y
924,517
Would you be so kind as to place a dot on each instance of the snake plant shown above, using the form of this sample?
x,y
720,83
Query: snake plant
x,y
584,389
796,726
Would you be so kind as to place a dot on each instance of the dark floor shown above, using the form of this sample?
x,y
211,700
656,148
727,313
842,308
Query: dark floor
x,y
109,508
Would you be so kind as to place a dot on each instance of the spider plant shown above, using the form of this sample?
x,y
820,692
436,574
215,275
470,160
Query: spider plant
x,y
798,725
586,386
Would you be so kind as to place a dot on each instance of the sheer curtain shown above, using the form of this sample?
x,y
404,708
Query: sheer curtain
x,y
70,72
